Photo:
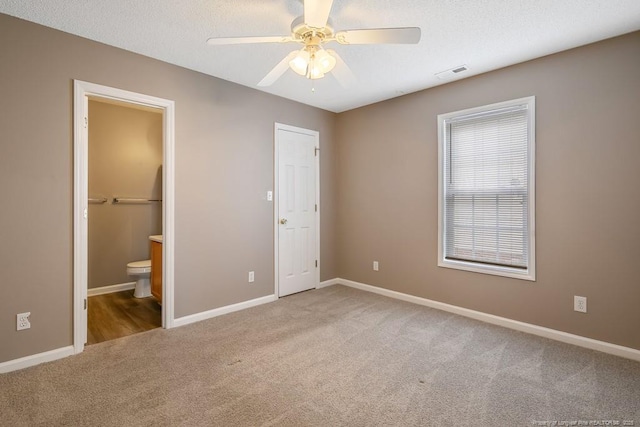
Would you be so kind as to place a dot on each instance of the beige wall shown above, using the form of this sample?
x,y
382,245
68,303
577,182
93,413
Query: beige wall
x,y
125,160
224,166
378,173
587,204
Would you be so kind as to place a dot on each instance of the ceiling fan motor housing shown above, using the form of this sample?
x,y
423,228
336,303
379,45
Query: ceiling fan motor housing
x,y
313,61
310,35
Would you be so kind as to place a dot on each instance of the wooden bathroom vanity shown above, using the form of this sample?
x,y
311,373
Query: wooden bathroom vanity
x,y
156,267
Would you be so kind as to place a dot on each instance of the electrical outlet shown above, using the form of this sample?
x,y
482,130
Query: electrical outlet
x,y
376,266
22,321
252,277
580,304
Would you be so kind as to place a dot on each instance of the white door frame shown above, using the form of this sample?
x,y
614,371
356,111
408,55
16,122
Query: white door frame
x,y
276,200
82,92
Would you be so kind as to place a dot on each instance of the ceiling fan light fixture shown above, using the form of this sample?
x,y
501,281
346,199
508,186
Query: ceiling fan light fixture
x,y
300,63
315,72
313,29
324,60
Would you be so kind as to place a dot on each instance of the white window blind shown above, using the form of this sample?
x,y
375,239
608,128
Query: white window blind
x,y
486,191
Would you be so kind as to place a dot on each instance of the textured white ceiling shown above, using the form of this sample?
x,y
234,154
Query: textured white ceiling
x,y
484,35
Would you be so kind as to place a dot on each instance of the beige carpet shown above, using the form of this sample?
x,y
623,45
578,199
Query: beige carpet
x,y
335,356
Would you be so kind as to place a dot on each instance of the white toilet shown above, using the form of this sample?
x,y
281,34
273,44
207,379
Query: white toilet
x,y
141,271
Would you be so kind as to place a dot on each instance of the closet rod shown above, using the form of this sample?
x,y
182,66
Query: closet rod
x,y
94,200
125,200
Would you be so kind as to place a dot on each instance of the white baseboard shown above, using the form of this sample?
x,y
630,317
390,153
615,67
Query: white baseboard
x,y
35,359
91,292
48,356
328,283
181,321
605,347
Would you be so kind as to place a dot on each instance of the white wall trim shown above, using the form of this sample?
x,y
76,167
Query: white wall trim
x,y
36,359
580,341
330,282
605,347
92,292
60,353
82,92
193,318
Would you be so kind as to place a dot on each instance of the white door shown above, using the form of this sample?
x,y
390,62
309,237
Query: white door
x,y
297,209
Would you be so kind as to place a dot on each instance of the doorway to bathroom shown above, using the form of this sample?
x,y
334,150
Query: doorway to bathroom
x,y
123,213
124,210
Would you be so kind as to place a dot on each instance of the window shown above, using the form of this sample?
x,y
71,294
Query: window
x,y
486,189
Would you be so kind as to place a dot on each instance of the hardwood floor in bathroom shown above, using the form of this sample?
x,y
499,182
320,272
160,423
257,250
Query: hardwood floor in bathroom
x,y
119,314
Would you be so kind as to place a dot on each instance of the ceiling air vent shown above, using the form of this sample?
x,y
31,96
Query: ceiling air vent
x,y
451,73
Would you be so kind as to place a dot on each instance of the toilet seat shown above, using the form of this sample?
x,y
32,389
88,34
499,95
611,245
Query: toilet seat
x,y
139,267
141,271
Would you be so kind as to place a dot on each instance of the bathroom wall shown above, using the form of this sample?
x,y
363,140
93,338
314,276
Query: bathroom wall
x,y
125,160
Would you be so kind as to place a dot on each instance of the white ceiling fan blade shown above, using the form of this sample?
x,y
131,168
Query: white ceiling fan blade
x,y
278,70
342,72
244,40
408,35
316,12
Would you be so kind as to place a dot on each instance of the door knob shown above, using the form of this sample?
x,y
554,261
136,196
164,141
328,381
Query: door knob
x,y
283,221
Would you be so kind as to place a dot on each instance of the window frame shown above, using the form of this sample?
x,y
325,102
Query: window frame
x,y
528,273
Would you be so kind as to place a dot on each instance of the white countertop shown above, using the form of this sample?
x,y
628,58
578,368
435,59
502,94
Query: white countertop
x,y
157,238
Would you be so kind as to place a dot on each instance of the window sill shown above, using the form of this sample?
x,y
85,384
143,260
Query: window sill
x,y
514,273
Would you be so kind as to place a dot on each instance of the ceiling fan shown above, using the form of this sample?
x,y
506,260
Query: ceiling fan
x,y
313,30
